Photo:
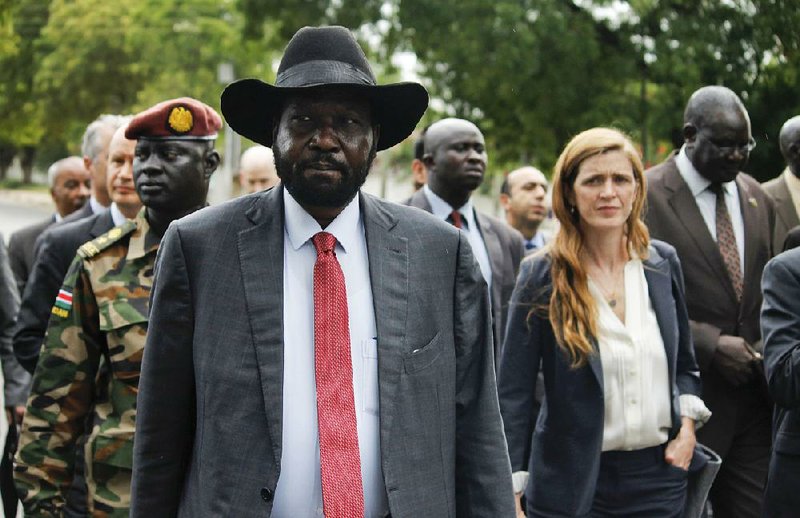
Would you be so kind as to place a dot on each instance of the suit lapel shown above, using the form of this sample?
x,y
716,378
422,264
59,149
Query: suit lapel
x,y
749,207
784,206
420,201
102,224
261,260
659,286
389,276
683,203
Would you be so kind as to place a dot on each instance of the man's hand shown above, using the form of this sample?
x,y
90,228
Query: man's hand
x,y
15,414
734,359
518,504
680,450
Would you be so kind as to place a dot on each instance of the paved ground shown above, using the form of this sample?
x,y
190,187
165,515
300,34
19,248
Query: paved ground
x,y
22,208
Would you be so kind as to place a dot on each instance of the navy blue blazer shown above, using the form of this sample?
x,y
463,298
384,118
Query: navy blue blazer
x,y
561,446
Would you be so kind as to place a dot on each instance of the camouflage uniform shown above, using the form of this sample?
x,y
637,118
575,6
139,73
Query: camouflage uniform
x,y
88,377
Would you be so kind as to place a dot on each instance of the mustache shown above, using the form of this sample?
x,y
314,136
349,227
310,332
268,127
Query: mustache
x,y
321,161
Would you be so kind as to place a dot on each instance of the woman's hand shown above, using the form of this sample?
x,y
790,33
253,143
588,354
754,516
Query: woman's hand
x,y
680,450
518,503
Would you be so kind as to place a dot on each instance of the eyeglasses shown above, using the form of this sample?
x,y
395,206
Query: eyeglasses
x,y
742,148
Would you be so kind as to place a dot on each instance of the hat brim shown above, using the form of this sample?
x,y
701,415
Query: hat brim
x,y
251,107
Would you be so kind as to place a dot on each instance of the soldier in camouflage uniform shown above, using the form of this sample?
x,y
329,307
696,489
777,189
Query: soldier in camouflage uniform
x,y
87,377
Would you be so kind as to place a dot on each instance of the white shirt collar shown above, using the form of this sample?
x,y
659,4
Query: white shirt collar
x,y
697,183
441,209
116,215
301,226
96,207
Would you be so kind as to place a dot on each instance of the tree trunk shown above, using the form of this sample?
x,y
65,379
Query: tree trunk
x,y
7,153
26,161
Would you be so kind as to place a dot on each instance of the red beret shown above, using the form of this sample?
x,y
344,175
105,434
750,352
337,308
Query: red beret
x,y
182,118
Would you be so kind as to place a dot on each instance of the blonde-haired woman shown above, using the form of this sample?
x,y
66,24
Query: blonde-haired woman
x,y
601,311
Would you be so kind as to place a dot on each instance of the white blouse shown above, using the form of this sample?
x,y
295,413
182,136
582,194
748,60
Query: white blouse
x,y
636,385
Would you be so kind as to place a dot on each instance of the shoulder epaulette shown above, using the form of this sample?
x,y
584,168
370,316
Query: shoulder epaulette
x,y
98,244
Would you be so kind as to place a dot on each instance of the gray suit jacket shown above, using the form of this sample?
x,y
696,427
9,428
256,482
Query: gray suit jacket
x,y
780,322
673,216
21,250
16,379
786,215
506,249
210,403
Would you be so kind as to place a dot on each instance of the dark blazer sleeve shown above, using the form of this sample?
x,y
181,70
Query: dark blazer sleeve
x,y
483,475
16,260
47,276
687,373
780,327
164,438
519,364
15,378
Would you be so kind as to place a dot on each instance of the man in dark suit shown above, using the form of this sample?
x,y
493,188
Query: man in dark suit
x,y
780,325
69,187
58,245
720,220
455,157
785,189
296,371
523,195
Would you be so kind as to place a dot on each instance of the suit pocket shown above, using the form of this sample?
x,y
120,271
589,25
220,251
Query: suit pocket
x,y
422,357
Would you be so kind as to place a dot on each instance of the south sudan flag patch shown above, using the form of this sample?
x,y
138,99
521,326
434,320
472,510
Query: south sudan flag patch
x,y
63,303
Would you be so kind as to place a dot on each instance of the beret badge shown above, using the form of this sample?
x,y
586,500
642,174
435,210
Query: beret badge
x,y
180,120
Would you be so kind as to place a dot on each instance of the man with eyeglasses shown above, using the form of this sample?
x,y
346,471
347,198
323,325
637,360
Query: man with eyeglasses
x,y
719,220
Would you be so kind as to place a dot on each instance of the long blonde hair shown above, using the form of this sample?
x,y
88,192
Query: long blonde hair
x,y
572,310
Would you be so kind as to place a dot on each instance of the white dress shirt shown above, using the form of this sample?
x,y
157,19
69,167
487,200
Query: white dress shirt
x,y
636,385
299,491
116,215
707,201
96,207
441,209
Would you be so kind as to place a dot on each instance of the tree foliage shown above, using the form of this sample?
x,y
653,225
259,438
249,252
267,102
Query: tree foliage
x,y
531,73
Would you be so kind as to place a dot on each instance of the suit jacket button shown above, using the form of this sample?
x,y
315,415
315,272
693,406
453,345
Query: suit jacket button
x,y
266,494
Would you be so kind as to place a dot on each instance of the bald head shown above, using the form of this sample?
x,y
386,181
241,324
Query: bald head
x,y
70,184
257,169
455,157
716,133
790,144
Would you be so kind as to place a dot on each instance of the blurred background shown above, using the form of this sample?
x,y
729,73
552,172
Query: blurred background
x,y
530,73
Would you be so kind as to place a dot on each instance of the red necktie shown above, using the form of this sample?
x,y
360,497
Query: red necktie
x,y
726,240
340,462
455,216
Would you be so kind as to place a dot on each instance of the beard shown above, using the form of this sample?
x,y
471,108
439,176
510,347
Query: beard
x,y
313,193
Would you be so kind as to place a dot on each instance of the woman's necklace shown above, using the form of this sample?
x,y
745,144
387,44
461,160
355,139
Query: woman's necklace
x,y
610,296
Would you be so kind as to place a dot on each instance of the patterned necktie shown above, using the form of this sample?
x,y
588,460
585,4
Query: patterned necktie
x,y
726,240
340,462
456,220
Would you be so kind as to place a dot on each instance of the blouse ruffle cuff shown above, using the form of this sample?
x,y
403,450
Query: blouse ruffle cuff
x,y
694,408
520,480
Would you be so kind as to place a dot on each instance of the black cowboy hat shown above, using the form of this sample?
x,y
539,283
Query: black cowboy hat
x,y
323,57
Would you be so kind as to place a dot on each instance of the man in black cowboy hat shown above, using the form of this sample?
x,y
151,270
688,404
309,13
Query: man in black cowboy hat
x,y
295,366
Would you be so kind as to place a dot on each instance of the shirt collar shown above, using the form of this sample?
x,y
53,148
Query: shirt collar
x,y
441,209
95,205
697,183
116,215
301,226
136,245
537,241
